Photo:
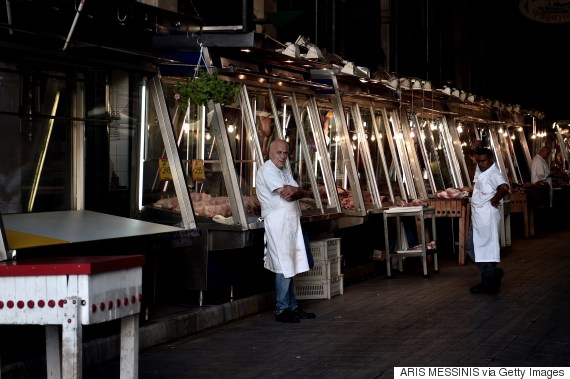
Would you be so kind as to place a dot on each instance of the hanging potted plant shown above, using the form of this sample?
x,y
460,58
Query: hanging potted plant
x,y
204,87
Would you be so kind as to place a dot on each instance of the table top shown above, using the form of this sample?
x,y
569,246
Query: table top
x,y
78,265
73,226
408,211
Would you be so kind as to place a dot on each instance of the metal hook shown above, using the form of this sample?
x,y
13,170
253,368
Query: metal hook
x,y
119,16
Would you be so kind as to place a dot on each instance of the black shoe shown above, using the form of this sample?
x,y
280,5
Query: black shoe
x,y
303,315
287,316
479,288
495,281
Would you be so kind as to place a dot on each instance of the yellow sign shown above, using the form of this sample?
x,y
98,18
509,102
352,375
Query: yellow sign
x,y
198,173
164,169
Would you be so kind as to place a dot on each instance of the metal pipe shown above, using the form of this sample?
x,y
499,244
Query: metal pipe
x,y
9,13
73,24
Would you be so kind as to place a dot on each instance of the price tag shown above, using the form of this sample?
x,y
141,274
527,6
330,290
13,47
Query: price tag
x,y
164,169
198,174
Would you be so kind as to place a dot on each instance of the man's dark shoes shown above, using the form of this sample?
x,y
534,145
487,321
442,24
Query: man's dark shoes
x,y
287,316
479,288
491,285
303,315
495,282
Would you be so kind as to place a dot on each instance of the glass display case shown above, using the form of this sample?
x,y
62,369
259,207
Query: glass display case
x,y
210,160
437,156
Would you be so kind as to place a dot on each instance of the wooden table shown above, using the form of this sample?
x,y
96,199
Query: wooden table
x,y
455,208
519,204
68,292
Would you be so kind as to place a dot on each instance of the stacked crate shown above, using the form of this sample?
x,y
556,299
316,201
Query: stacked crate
x,y
324,280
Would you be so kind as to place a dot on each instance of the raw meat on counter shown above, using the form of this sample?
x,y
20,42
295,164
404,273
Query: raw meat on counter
x,y
209,206
451,193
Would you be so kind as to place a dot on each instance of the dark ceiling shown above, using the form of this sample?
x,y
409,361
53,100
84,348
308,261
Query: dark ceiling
x,y
484,47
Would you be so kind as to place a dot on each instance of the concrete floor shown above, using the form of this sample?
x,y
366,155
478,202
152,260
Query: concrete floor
x,y
381,323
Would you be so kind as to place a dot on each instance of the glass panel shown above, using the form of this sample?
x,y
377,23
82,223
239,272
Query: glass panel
x,y
360,127
502,134
36,172
383,161
468,133
521,152
397,166
334,138
320,168
14,157
425,150
562,147
157,188
492,136
432,133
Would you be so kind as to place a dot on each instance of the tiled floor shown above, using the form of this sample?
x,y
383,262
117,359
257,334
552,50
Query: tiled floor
x,y
404,321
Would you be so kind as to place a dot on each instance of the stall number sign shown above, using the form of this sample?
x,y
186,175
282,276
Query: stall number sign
x,y
164,169
198,174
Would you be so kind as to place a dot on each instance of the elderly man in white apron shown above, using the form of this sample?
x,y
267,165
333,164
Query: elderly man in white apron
x,y
490,187
285,252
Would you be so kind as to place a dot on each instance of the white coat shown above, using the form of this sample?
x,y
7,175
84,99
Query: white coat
x,y
484,217
284,244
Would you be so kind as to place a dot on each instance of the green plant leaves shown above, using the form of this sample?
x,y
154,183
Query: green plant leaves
x,y
205,87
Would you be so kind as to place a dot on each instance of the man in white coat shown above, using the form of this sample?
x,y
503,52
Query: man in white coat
x,y
285,252
490,187
540,175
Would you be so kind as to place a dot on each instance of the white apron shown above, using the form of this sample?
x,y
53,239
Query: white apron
x,y
486,221
284,245
486,218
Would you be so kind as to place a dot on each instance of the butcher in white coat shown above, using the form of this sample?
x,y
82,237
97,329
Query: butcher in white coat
x,y
285,252
489,189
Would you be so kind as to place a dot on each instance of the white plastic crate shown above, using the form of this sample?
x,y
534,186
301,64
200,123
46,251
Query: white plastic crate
x,y
323,269
326,248
318,289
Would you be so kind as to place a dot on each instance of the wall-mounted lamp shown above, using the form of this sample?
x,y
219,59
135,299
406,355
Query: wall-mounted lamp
x,y
405,83
348,68
291,50
416,84
392,82
313,53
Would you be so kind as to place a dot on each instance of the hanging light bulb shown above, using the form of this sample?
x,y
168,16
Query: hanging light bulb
x,y
231,128
372,137
354,137
208,136
412,134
